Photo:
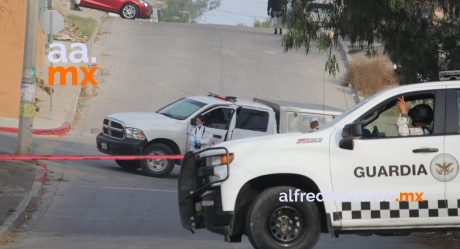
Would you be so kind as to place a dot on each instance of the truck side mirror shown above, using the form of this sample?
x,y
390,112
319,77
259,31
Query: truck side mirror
x,y
352,130
349,132
193,121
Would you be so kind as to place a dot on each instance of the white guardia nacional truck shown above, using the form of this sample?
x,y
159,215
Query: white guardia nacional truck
x,y
236,188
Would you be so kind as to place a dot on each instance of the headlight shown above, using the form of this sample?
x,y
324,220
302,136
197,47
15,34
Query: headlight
x,y
134,133
220,159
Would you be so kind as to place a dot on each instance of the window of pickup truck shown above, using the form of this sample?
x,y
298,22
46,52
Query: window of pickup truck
x,y
254,120
181,109
382,121
218,118
351,110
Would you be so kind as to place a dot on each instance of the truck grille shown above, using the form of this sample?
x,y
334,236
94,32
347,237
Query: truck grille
x,y
113,128
201,180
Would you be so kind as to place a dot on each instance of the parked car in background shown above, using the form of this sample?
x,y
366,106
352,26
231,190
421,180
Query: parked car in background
x,y
129,9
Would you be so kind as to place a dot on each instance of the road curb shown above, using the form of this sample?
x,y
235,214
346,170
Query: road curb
x,y
72,116
26,203
60,131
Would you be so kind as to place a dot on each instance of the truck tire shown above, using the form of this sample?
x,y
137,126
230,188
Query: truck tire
x,y
271,224
129,165
157,168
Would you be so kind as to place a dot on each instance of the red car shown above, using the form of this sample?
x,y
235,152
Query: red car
x,y
128,9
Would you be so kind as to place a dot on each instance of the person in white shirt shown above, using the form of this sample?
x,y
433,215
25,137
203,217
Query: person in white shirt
x,y
314,125
199,137
421,115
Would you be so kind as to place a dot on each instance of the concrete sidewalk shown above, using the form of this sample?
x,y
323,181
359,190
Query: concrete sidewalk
x,y
20,184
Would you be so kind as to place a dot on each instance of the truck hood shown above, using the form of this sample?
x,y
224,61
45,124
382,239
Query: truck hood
x,y
143,120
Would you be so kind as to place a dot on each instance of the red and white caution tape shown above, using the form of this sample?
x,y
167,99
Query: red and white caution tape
x,y
81,158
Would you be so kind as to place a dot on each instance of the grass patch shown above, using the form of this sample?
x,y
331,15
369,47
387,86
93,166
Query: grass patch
x,y
86,26
267,23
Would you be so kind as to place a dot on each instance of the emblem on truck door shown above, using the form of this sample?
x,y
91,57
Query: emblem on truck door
x,y
444,167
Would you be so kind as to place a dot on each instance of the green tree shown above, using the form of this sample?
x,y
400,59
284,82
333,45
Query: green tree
x,y
420,37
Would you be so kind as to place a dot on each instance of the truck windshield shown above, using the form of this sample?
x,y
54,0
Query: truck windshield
x,y
354,108
343,115
181,109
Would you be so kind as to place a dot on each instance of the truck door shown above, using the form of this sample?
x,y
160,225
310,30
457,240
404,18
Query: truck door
x,y
216,122
250,123
447,168
385,179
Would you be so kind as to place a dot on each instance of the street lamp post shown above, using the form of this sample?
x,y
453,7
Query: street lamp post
x,y
27,106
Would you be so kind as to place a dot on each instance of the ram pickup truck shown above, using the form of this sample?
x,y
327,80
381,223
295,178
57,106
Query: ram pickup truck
x,y
377,181
166,131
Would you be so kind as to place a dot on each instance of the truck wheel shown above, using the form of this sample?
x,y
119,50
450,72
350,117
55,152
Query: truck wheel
x,y
157,168
129,165
271,224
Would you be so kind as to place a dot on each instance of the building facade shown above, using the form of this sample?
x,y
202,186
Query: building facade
x,y
12,32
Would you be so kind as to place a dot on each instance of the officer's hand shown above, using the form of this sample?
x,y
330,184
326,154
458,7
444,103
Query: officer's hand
x,y
402,105
268,13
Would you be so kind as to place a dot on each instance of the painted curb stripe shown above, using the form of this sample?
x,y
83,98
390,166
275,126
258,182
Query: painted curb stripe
x,y
64,129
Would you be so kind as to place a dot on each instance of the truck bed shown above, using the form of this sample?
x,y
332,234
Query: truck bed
x,y
296,117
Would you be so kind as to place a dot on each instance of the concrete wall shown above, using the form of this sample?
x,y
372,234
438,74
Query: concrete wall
x,y
12,31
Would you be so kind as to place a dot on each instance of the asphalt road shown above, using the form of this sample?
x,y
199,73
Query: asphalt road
x,y
95,204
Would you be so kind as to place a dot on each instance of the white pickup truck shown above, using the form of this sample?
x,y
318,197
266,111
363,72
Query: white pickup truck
x,y
165,132
253,186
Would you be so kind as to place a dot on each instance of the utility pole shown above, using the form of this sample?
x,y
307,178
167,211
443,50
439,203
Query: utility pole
x,y
27,106
50,40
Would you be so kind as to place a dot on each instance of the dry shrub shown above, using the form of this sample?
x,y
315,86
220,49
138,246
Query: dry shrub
x,y
370,76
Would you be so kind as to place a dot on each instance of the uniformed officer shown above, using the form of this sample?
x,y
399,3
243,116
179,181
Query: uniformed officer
x,y
199,137
276,11
421,115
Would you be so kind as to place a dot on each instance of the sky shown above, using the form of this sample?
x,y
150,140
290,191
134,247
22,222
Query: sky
x,y
235,12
